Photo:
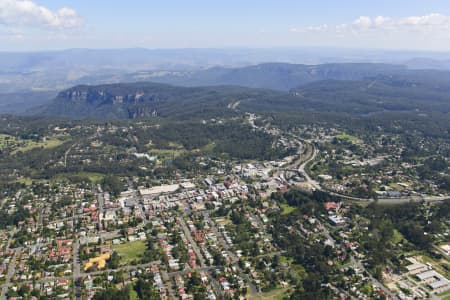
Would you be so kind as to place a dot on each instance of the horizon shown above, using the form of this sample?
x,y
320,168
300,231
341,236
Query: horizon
x,y
208,150
42,25
232,48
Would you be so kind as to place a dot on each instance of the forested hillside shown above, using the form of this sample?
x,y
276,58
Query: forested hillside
x,y
378,94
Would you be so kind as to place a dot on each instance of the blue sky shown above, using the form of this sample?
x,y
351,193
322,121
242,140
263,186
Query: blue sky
x,y
394,24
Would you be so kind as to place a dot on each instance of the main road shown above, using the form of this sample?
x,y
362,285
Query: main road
x,y
316,186
9,274
232,255
195,248
301,168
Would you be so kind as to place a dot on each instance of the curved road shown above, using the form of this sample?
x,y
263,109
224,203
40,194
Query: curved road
x,y
400,200
305,174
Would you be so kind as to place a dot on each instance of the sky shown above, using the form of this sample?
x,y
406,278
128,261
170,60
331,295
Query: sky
x,y
35,25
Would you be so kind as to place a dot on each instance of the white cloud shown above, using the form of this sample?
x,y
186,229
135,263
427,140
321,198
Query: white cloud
x,y
363,21
427,32
431,22
19,13
380,20
427,20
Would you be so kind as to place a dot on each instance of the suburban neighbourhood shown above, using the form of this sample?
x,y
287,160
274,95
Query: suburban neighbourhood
x,y
224,231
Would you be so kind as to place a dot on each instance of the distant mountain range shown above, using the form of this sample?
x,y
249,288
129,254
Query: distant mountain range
x,y
58,70
28,80
346,88
133,59
278,76
138,100
421,63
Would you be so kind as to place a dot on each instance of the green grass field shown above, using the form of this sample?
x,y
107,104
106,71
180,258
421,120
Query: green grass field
x,y
16,144
93,177
209,147
48,144
445,295
348,137
166,154
7,141
272,295
287,209
130,251
396,187
25,180
397,237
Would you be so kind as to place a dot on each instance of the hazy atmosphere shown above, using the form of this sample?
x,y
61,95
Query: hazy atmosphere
x,y
401,24
224,150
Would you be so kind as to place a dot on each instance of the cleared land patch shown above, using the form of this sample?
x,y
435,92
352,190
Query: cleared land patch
x,y
130,251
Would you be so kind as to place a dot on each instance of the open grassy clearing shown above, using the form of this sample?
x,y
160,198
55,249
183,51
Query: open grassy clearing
x,y
17,144
25,180
130,251
397,237
223,221
209,147
166,154
350,138
276,294
10,142
446,295
5,136
396,186
176,151
48,144
93,177
287,209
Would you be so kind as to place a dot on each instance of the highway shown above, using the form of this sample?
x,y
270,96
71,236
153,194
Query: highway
x,y
316,186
